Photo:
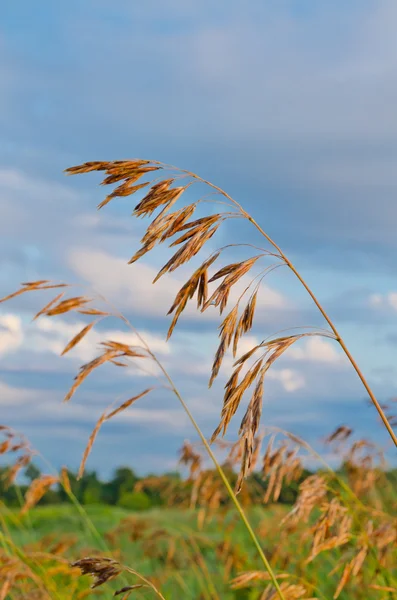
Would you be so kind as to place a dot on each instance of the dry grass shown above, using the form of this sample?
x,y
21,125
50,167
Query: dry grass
x,y
357,540
17,446
335,514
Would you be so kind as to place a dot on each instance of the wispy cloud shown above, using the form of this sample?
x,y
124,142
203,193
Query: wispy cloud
x,y
133,289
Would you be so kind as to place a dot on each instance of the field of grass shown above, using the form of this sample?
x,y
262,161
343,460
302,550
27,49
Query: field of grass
x,y
183,556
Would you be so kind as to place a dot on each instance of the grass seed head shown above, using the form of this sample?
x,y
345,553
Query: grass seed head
x,y
102,569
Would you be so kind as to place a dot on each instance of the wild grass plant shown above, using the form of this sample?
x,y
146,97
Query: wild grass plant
x,y
344,528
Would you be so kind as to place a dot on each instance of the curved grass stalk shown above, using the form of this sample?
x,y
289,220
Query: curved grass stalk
x,y
229,488
147,582
210,453
289,264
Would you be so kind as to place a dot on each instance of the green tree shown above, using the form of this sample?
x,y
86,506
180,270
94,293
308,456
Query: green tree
x,y
124,480
32,472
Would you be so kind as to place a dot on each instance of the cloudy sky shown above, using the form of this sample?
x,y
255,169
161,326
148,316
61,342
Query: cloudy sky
x,y
289,105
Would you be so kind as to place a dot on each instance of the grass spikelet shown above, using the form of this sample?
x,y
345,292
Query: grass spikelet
x,y
128,589
37,490
227,326
87,167
117,170
67,305
226,334
245,579
159,195
32,286
5,446
202,289
142,251
234,390
48,306
124,190
159,228
88,368
195,228
102,569
341,433
118,363
197,282
383,588
186,252
5,588
290,591
233,395
311,493
127,403
219,355
90,443
249,428
13,471
14,442
331,530
77,338
106,417
231,273
65,481
191,458
247,318
279,465
124,349
177,222
93,312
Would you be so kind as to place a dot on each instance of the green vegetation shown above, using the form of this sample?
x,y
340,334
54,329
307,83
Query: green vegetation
x,y
171,548
153,491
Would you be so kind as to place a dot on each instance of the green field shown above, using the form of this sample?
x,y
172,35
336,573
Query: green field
x,y
195,569
169,546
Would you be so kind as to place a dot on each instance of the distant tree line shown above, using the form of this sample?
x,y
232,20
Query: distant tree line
x,y
127,490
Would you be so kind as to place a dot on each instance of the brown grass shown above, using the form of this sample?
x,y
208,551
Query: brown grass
x,y
37,490
334,513
167,224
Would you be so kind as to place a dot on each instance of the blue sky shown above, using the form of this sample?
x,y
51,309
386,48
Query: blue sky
x,y
290,107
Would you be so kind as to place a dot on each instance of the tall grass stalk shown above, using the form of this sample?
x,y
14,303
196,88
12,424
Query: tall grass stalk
x,y
289,264
193,236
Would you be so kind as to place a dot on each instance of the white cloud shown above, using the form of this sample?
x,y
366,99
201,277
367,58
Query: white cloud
x,y
290,379
383,301
173,419
375,300
39,405
50,335
392,300
62,332
315,349
13,396
131,285
11,334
